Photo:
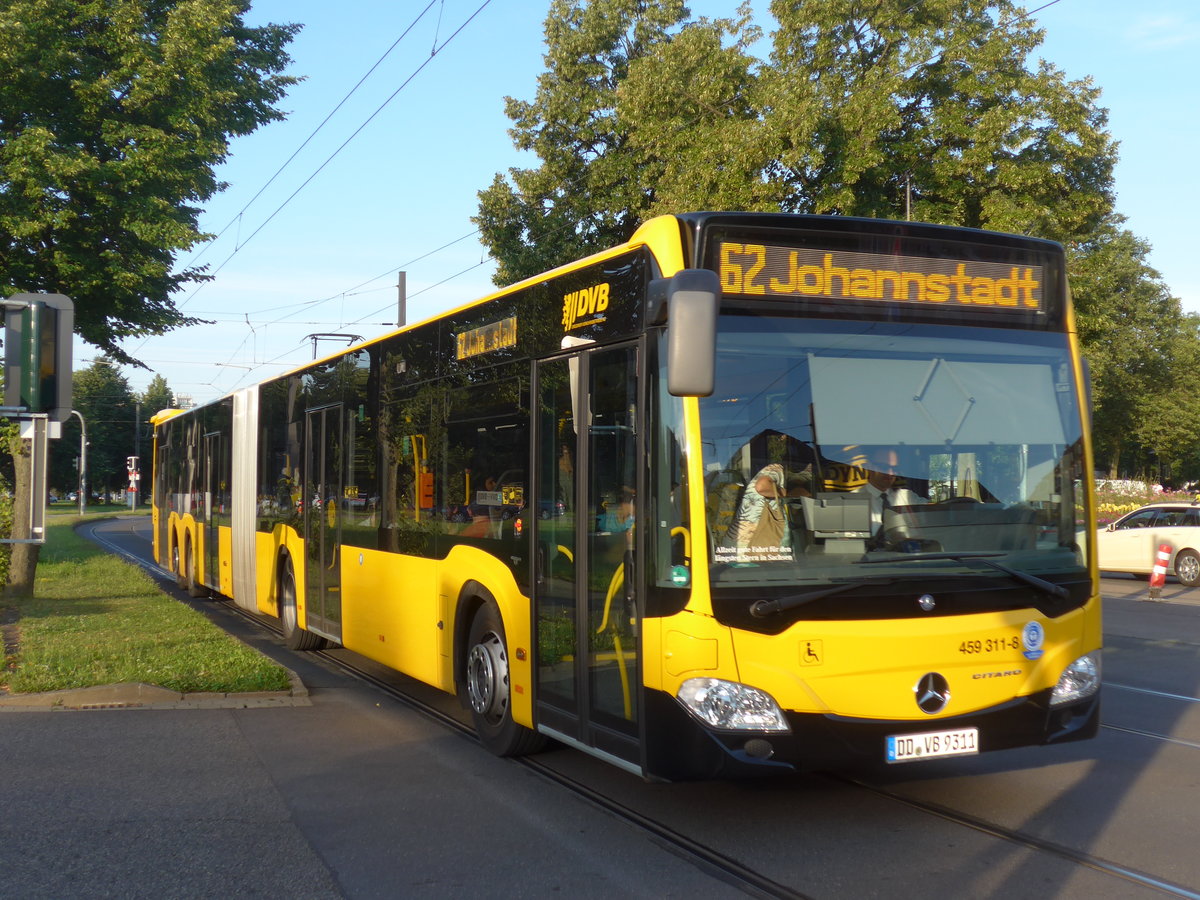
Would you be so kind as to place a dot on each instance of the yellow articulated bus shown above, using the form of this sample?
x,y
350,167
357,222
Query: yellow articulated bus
x,y
749,493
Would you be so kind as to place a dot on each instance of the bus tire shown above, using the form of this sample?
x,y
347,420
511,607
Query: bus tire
x,y
177,566
1187,568
194,587
487,682
294,637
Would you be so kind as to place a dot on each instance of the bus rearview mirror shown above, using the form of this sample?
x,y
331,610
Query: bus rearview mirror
x,y
693,298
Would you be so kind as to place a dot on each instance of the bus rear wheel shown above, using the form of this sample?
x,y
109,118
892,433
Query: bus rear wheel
x,y
177,567
487,682
294,637
193,585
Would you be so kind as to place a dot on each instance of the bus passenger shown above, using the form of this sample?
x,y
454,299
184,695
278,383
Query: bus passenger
x,y
760,524
566,478
619,516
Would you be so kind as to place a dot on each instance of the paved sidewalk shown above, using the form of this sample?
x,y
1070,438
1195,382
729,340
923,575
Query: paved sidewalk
x,y
330,790
349,795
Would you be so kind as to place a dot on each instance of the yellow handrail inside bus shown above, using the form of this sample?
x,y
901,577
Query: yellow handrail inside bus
x,y
614,587
679,530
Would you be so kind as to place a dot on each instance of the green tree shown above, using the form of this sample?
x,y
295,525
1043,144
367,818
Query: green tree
x,y
587,193
108,405
1142,351
1166,429
113,117
118,427
157,397
932,111
938,111
693,114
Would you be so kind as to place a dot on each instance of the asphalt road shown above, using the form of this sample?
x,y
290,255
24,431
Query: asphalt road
x,y
360,797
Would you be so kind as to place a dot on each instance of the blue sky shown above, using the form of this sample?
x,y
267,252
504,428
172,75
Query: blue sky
x,y
317,251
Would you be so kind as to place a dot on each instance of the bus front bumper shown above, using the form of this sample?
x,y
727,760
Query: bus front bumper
x,y
683,748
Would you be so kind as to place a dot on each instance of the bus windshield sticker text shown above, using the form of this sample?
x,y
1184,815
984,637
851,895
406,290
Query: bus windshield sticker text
x,y
585,307
765,270
487,338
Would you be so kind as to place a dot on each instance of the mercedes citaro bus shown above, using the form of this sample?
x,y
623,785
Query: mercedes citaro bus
x,y
634,504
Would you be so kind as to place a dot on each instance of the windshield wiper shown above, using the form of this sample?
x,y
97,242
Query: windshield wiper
x,y
985,557
762,608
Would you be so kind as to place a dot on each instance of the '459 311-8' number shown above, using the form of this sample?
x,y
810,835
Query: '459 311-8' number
x,y
990,645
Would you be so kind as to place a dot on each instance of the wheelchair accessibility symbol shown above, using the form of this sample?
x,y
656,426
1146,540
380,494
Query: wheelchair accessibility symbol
x,y
811,653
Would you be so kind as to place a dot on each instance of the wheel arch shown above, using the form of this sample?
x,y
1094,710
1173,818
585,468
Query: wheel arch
x,y
1178,550
180,529
280,557
490,682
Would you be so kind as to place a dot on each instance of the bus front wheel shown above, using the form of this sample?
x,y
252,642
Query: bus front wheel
x,y
488,688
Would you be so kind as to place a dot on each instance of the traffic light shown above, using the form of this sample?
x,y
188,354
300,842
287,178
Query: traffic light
x,y
37,353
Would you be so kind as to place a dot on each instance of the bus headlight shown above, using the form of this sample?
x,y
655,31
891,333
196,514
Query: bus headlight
x,y
729,705
1079,681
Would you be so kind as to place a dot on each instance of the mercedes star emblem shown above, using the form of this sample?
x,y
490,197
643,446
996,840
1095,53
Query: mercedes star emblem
x,y
933,692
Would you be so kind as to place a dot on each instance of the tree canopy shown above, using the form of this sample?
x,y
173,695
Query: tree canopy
x,y
1143,352
938,111
587,193
113,116
157,397
934,111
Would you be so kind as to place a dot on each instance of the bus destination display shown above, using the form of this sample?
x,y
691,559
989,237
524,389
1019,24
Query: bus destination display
x,y
774,271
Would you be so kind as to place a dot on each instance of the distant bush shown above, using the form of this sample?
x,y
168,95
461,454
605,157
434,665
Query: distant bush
x,y
6,527
1116,498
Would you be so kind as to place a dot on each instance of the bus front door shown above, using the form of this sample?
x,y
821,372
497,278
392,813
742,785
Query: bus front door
x,y
588,672
323,520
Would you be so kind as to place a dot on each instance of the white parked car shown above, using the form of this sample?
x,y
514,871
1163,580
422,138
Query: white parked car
x,y
1130,543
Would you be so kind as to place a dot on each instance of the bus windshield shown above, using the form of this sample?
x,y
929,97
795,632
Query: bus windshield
x,y
836,451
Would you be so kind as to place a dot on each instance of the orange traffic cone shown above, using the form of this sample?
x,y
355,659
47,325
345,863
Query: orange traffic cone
x,y
1158,574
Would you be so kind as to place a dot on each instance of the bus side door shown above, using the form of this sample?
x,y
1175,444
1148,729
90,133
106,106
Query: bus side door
x,y
585,593
324,442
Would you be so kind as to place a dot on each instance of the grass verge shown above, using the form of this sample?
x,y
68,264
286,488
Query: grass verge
x,y
96,619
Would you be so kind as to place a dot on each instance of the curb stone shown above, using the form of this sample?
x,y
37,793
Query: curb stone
x,y
134,695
